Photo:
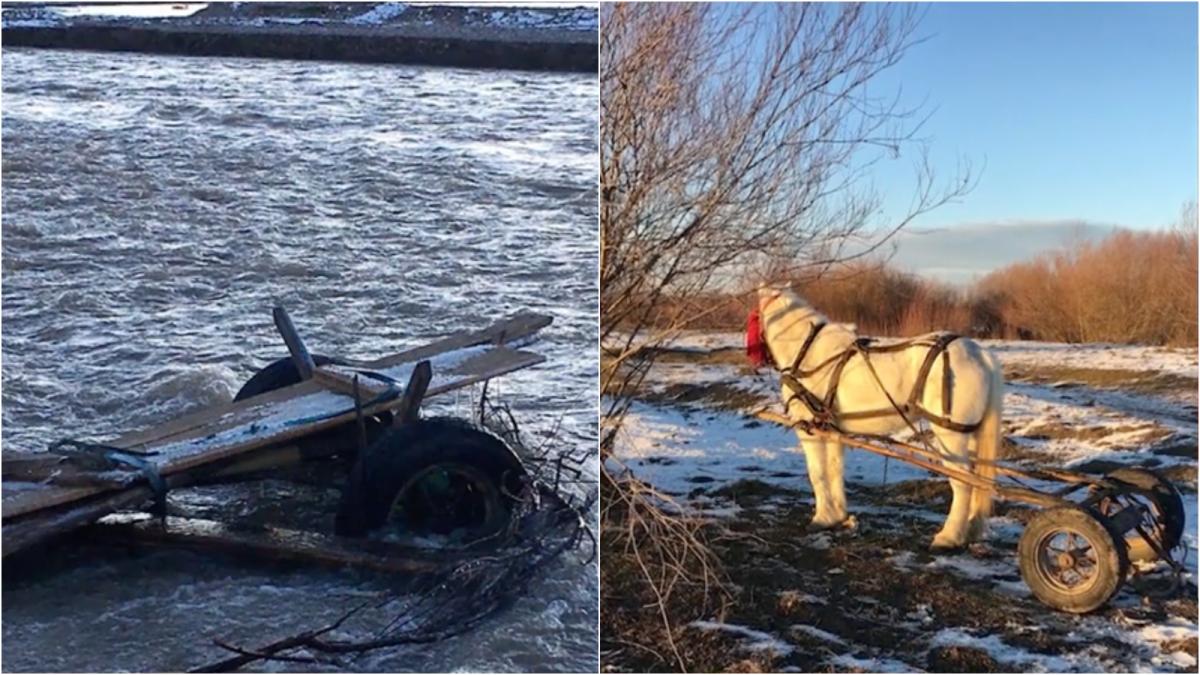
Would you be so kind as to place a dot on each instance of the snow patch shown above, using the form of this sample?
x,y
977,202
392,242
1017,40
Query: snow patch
x,y
873,664
380,14
1009,654
757,641
813,631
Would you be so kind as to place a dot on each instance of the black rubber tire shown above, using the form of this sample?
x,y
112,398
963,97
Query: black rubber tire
x,y
406,451
1166,499
277,375
1112,563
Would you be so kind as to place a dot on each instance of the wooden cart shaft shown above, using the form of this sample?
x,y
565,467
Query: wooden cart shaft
x,y
929,460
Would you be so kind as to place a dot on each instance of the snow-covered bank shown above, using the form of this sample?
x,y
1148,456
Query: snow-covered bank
x,y
519,38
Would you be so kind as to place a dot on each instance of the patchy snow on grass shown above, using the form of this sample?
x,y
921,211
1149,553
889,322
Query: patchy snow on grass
x,y
707,341
1011,655
579,18
751,640
872,664
380,14
1069,431
283,21
813,631
678,450
1174,361
30,17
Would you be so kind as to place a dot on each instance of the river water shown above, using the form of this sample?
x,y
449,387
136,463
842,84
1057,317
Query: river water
x,y
155,207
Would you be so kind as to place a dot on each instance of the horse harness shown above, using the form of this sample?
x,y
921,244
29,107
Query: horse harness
x,y
824,410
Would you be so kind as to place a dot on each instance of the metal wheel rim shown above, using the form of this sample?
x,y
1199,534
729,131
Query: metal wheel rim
x,y
1051,564
462,475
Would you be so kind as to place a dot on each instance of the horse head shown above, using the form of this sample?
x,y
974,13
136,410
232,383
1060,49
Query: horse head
x,y
770,302
780,314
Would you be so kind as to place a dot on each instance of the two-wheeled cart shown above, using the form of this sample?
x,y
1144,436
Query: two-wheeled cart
x,y
1076,552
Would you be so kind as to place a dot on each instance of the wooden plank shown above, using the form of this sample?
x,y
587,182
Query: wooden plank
x,y
514,329
46,523
488,363
295,344
43,524
492,363
271,544
414,393
30,467
517,327
190,423
344,384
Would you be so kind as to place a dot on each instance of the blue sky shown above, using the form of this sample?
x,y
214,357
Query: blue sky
x,y
1080,111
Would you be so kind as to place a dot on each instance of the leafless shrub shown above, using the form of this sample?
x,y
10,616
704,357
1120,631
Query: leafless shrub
x,y
1131,287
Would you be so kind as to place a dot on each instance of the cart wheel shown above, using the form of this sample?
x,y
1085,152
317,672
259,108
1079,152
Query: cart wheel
x,y
280,374
1071,560
1166,505
437,476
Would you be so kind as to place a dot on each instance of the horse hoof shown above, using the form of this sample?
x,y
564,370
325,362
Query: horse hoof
x,y
819,525
945,546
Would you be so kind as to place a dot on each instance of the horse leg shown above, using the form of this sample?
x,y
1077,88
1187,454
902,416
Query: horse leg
x,y
977,516
954,531
835,478
827,513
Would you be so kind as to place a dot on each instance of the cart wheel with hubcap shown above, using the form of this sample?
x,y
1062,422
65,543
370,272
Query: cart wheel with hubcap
x,y
1071,559
1166,517
438,476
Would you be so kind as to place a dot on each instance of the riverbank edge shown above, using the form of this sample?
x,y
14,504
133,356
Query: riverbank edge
x,y
325,45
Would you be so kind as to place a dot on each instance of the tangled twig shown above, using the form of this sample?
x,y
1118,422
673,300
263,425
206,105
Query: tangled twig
x,y
549,519
667,545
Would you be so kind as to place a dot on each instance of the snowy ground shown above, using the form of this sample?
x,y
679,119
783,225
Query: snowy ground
x,y
1089,407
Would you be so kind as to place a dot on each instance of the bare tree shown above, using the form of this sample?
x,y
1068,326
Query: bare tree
x,y
736,142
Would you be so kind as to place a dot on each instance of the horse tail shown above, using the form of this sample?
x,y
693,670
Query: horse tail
x,y
989,440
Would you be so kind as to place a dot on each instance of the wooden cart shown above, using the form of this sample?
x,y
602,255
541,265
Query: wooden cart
x,y
334,406
1073,555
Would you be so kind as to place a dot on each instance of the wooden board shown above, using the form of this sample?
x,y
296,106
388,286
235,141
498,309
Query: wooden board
x,y
212,437
271,544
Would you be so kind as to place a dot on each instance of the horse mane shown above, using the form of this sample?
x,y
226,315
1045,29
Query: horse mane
x,y
796,303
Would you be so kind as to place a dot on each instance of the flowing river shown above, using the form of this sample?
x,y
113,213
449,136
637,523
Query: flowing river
x,y
156,207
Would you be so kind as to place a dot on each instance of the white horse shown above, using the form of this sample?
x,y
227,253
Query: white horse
x,y
960,399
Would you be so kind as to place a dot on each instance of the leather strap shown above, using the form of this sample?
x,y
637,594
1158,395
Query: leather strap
x,y
823,410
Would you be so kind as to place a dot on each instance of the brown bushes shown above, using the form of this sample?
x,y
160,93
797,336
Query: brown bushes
x,y
1132,287
1129,288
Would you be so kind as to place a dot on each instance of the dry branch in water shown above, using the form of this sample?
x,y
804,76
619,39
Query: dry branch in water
x,y
549,520
735,144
